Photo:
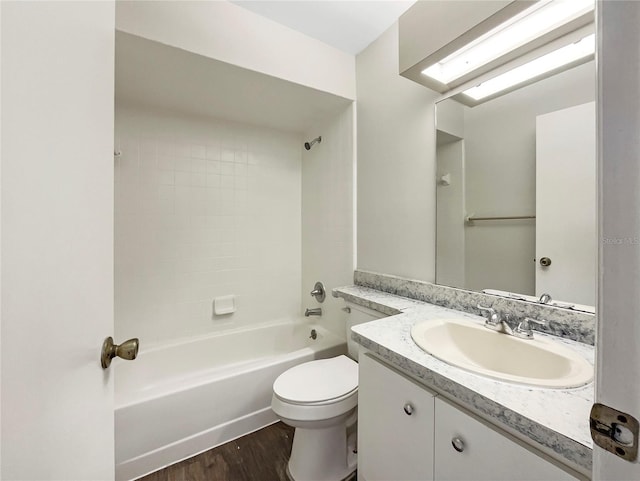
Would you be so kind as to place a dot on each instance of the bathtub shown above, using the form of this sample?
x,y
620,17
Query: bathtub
x,y
177,400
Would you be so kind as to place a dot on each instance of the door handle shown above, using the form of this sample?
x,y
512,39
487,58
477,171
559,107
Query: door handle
x,y
127,350
545,262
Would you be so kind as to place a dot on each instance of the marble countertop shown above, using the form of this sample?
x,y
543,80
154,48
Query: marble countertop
x,y
555,419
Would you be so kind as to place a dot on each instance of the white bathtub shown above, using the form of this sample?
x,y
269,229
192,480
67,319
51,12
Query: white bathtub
x,y
177,400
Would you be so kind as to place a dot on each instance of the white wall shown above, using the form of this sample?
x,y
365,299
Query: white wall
x,y
450,213
500,177
328,216
396,166
450,118
450,199
204,208
57,243
227,32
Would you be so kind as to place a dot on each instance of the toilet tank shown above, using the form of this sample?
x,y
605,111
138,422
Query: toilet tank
x,y
358,315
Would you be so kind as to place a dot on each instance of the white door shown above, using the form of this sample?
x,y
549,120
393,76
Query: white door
x,y
618,306
465,449
395,425
57,250
565,204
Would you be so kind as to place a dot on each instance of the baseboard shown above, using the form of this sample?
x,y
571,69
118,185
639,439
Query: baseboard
x,y
191,446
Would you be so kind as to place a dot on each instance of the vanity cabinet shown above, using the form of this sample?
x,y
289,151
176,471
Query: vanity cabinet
x,y
406,432
395,425
467,448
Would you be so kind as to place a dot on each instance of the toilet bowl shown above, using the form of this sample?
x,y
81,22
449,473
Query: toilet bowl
x,y
319,399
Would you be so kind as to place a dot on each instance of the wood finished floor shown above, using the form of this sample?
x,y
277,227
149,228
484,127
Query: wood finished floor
x,y
259,456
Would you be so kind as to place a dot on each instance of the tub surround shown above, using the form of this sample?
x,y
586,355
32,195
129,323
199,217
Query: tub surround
x,y
567,323
186,191
553,420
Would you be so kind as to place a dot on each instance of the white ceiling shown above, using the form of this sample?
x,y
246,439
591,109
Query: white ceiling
x,y
349,25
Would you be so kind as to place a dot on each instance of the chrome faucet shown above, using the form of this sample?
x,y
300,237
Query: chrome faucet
x,y
524,330
494,322
315,311
318,292
545,298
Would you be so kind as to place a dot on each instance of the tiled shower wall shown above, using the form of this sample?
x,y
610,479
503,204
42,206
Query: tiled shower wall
x,y
203,208
327,215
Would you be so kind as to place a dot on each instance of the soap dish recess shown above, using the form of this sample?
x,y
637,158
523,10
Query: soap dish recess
x,y
224,305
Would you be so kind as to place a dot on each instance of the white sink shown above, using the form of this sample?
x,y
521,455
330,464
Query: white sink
x,y
471,346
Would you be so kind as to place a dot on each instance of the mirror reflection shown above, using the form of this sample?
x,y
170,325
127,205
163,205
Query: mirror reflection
x,y
516,206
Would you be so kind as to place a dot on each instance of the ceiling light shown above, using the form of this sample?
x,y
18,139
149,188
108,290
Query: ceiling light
x,y
534,22
547,63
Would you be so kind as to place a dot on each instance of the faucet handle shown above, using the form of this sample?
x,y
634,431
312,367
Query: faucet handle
x,y
539,322
493,315
318,292
493,319
490,310
524,328
545,298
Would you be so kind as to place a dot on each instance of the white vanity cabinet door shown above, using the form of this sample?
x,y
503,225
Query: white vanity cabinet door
x,y
393,445
486,454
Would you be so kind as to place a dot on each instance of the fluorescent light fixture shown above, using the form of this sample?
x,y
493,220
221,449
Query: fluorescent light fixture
x,y
541,65
543,17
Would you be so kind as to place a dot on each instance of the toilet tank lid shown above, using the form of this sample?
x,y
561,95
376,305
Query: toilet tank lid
x,y
318,381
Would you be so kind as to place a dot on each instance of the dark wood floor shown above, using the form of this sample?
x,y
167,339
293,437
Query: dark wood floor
x,y
259,456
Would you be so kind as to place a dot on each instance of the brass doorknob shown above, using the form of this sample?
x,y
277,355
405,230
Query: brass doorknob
x,y
127,350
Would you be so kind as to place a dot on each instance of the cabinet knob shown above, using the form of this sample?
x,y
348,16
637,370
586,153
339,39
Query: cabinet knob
x,y
408,409
457,444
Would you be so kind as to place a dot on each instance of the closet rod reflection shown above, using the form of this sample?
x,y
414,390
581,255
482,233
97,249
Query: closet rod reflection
x,y
471,219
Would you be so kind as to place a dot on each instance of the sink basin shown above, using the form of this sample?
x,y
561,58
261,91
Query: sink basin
x,y
471,346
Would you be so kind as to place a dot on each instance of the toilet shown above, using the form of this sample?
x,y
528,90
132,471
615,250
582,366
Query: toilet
x,y
319,399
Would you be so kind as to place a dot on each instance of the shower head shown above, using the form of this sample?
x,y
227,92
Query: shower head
x,y
308,145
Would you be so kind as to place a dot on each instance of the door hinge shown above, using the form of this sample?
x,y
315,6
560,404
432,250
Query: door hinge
x,y
615,431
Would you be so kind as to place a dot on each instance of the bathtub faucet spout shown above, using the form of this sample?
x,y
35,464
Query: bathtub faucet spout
x,y
316,311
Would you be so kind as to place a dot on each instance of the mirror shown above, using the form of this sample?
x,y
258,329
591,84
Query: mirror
x,y
516,207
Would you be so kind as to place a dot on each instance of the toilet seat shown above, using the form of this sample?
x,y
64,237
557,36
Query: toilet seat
x,y
320,403
319,382
317,390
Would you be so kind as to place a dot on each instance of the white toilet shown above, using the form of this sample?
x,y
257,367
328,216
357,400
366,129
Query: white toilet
x,y
319,398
